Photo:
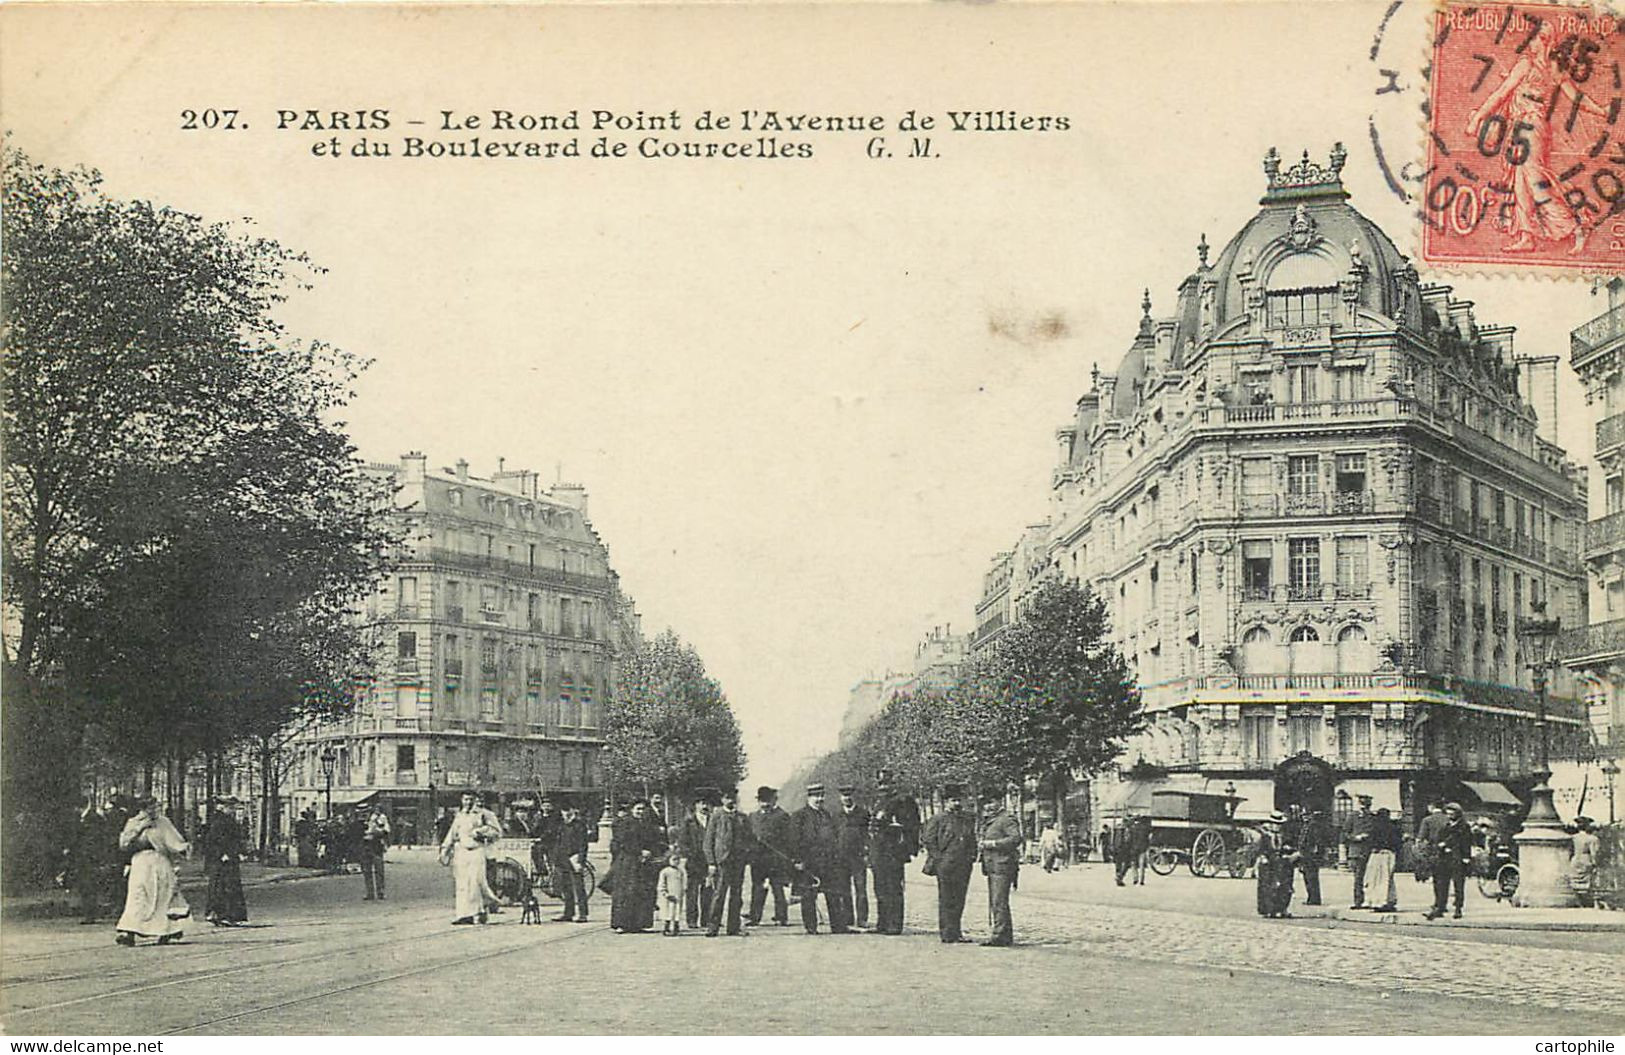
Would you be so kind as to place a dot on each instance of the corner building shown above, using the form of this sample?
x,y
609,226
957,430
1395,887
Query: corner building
x,y
497,636
1317,501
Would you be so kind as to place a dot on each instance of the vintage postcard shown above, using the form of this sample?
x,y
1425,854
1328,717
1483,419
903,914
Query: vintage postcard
x,y
820,520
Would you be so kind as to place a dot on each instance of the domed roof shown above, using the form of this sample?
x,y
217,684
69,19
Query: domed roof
x,y
1307,236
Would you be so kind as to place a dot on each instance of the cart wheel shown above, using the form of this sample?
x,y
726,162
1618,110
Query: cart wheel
x,y
1164,861
1208,854
508,880
1507,880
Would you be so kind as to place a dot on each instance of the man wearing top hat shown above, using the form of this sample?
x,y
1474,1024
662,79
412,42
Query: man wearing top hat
x,y
852,838
727,849
949,839
770,857
1360,836
569,861
894,839
816,859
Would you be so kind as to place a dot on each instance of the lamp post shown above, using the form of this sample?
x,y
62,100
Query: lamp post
x,y
1610,769
1543,845
330,759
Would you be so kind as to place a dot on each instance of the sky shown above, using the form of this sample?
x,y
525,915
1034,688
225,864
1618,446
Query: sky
x,y
810,398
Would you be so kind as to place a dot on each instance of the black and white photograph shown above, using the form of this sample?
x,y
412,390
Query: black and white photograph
x,y
756,520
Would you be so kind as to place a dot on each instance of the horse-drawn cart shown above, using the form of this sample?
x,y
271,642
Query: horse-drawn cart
x,y
1200,829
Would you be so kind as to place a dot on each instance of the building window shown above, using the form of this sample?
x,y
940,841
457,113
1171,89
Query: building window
x,y
1302,474
1349,383
488,703
1303,566
454,601
1353,737
407,596
1353,574
1256,564
567,620
1301,307
406,758
1258,737
1350,472
1257,485
488,657
1300,382
406,645
1353,651
1303,733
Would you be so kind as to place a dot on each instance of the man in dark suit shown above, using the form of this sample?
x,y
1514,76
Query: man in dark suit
x,y
691,848
1359,837
727,849
852,838
1452,845
816,860
894,839
949,839
1001,863
569,860
770,858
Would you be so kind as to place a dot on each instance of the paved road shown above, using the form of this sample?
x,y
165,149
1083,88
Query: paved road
x,y
326,963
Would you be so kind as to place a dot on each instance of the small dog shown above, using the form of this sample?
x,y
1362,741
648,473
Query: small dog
x,y
533,909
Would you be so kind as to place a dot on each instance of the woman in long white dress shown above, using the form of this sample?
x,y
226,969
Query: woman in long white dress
x,y
464,848
153,907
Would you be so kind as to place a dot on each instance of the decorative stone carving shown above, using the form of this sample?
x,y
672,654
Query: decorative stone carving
x,y
1305,232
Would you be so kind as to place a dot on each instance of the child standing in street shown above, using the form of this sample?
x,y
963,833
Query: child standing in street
x,y
669,890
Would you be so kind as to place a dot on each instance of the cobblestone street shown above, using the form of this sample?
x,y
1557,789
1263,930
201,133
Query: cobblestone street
x,y
319,961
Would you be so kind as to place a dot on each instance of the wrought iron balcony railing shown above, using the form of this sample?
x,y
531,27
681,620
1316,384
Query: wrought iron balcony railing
x,y
1587,338
1599,640
1610,432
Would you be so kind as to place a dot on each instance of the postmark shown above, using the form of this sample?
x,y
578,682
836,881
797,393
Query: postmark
x,y
1526,140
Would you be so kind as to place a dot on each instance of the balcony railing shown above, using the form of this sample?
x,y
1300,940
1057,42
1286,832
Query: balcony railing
x,y
1354,591
1605,534
1597,640
406,664
1585,339
1303,592
1473,692
520,569
1610,432
1305,502
1353,501
1257,593
406,778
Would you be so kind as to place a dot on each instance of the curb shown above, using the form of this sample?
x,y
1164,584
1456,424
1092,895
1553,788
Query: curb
x,y
1414,918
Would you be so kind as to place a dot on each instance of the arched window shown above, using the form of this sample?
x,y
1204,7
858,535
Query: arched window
x,y
1257,651
1304,652
1353,650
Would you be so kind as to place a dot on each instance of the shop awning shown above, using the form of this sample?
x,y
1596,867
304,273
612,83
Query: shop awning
x,y
1491,793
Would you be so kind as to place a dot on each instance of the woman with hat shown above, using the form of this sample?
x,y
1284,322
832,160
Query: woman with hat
x,y
464,849
632,846
1583,859
222,860
1276,863
153,907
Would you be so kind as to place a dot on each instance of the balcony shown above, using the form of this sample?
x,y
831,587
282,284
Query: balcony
x,y
1599,332
492,615
1303,592
406,778
1353,501
454,668
1257,593
1605,535
1483,694
1305,503
518,569
1597,641
1259,505
407,665
1354,591
1610,432
408,724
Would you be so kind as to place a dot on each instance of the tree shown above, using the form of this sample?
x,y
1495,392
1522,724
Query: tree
x,y
1055,696
669,726
188,532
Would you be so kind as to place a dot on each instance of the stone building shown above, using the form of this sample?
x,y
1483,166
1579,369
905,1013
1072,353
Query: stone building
x,y
1317,501
1007,582
1596,652
938,657
498,635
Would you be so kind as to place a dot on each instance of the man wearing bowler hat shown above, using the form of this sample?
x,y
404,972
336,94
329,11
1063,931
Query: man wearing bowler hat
x,y
727,848
852,838
770,857
949,839
1360,838
1001,863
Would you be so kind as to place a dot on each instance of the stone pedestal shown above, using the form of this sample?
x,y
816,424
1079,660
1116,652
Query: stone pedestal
x,y
1543,857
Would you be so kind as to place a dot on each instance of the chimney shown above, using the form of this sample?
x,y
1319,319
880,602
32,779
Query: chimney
x,y
413,466
1537,377
462,468
572,495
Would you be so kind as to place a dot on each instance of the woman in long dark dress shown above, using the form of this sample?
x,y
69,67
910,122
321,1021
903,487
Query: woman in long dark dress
x,y
223,854
658,841
630,847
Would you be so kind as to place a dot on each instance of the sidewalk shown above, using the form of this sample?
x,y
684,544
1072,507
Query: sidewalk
x,y
1183,892
58,904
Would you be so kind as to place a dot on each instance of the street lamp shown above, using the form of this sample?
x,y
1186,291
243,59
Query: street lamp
x,y
330,759
1610,769
1543,845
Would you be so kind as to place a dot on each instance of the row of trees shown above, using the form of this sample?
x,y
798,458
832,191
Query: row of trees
x,y
1052,698
188,531
669,727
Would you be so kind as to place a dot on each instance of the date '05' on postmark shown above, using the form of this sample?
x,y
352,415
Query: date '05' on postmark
x,y
1526,145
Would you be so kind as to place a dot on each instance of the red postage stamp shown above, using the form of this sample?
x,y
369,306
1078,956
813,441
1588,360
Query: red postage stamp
x,y
1526,144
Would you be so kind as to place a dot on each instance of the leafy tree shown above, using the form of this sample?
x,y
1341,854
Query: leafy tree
x,y
668,726
188,532
1055,696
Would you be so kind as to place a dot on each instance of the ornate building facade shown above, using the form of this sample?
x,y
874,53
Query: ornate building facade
x,y
1318,501
1597,652
498,636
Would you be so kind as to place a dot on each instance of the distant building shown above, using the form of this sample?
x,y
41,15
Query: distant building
x,y
938,658
498,638
1317,503
1008,582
